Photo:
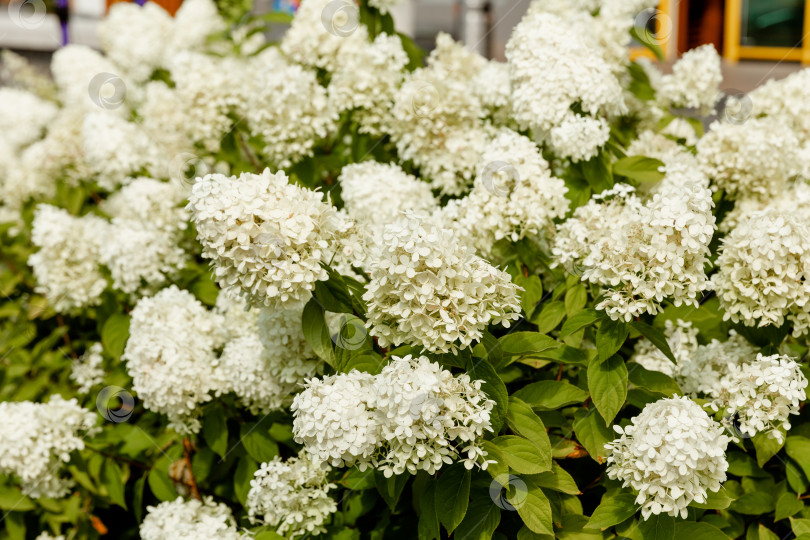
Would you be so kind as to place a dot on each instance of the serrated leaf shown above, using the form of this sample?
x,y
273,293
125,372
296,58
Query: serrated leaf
x,y
657,527
639,168
257,442
696,530
655,381
113,480
523,420
788,504
551,314
550,395
114,334
316,333
755,503
159,482
535,510
575,299
612,511
532,293
800,526
557,479
12,499
522,455
766,447
715,500
610,337
798,448
215,431
390,488
656,337
607,384
592,433
493,386
245,470
428,526
522,343
481,520
579,321
453,496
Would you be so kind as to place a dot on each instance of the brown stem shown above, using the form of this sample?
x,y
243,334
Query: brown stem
x,y
252,158
65,336
187,456
559,372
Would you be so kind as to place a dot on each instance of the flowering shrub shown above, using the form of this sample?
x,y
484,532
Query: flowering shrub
x,y
334,287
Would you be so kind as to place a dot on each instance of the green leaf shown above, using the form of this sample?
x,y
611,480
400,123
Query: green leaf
x,y
575,299
696,530
788,504
639,168
610,337
551,314
114,334
766,447
656,337
592,432
453,496
760,532
800,526
657,527
522,343
522,455
160,483
532,293
798,448
316,333
655,381
607,384
535,509
481,520
550,395
12,498
112,478
215,431
579,321
245,470
612,511
755,503
428,518
493,386
257,442
523,421
557,479
641,35
391,488
498,468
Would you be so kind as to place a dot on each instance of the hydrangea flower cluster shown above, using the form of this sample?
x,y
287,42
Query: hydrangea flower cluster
x,y
643,251
763,273
265,236
23,116
412,416
762,394
292,496
189,520
426,288
87,370
38,438
672,453
695,80
170,355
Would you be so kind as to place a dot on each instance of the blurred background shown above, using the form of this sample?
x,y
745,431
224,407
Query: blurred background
x,y
759,39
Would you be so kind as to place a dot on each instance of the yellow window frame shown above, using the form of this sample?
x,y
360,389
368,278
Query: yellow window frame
x,y
734,51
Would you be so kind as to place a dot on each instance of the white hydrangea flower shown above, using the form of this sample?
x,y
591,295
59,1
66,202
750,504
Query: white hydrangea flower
x,y
763,273
384,5
151,202
579,137
752,159
189,520
16,70
290,110
163,117
134,37
784,100
369,186
292,496
116,150
367,78
245,364
672,453
653,144
429,417
290,358
643,251
23,116
170,355
319,30
695,80
427,288
74,68
682,340
760,395
213,91
265,236
514,194
701,372
193,24
45,535
335,419
552,66
87,371
38,438
493,89
67,265
141,258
